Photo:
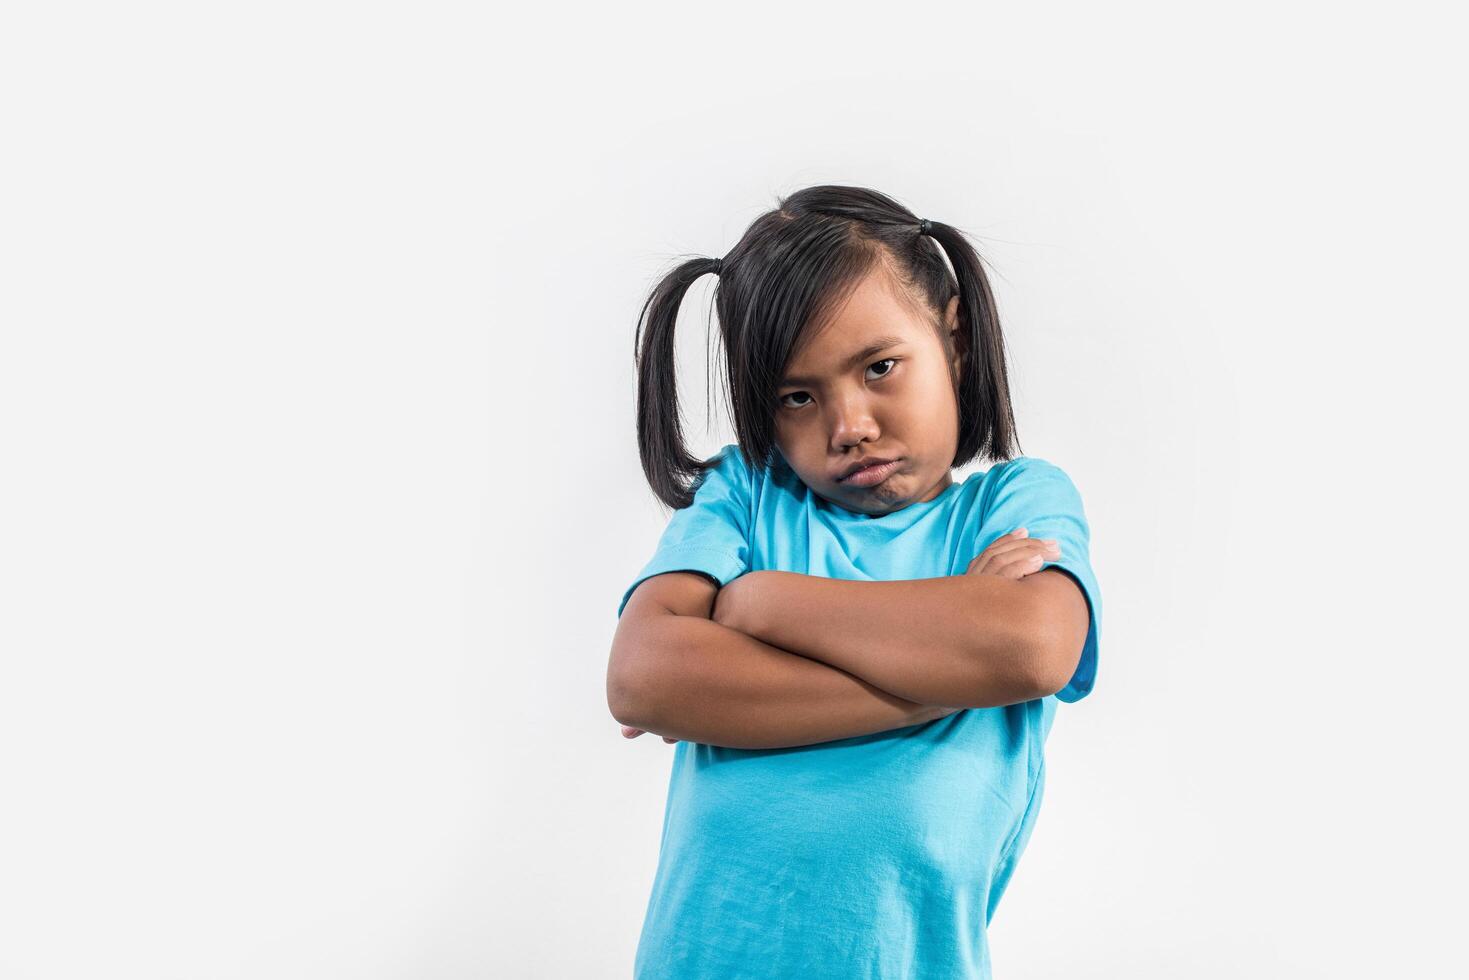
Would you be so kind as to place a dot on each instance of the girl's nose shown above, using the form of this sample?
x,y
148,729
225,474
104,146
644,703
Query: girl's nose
x,y
852,424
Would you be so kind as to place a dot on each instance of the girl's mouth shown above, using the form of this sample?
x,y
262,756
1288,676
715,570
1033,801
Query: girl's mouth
x,y
872,475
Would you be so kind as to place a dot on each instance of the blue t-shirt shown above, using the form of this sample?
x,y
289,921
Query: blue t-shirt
x,y
879,856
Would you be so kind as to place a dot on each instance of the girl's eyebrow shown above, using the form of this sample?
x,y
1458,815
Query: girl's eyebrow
x,y
876,347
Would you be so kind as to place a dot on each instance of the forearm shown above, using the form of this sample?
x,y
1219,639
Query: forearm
x,y
958,640
700,681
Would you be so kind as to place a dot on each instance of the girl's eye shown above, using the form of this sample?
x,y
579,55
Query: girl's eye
x,y
891,361
885,360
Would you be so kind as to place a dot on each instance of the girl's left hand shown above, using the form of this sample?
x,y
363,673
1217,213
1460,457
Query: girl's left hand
x,y
630,732
1014,555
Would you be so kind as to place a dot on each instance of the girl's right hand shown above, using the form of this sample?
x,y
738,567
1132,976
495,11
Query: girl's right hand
x,y
1014,555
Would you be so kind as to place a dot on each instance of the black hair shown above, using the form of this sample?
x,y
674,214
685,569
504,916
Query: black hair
x,y
793,264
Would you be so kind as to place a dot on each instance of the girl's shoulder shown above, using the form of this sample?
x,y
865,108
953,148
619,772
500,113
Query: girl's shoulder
x,y
774,485
731,466
1025,477
1017,467
729,476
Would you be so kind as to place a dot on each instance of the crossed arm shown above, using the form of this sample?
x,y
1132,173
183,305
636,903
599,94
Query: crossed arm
x,y
780,659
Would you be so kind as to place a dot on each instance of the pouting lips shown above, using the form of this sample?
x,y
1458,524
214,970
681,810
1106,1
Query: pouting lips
x,y
871,475
863,463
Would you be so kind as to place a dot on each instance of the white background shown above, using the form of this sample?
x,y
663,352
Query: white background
x,y
320,483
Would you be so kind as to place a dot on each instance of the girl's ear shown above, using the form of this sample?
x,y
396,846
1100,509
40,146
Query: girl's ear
x,y
958,343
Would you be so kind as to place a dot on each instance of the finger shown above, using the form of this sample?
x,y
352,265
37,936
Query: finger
x,y
1023,566
1012,571
670,741
1049,550
984,558
1007,545
1008,548
630,732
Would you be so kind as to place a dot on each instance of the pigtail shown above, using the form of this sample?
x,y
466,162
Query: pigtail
x,y
672,473
988,427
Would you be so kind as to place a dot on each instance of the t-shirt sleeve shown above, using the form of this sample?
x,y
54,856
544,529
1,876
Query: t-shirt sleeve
x,y
1038,496
712,534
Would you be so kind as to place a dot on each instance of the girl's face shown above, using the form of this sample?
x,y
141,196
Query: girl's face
x,y
874,382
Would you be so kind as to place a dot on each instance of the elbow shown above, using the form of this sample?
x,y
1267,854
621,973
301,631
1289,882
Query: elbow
x,y
622,696
1051,656
620,701
1059,629
1038,651
627,688
637,678
1012,674
1046,680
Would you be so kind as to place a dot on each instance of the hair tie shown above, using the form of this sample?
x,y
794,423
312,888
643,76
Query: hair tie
x,y
717,264
924,228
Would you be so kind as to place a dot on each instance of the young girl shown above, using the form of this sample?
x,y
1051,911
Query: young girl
x,y
858,658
